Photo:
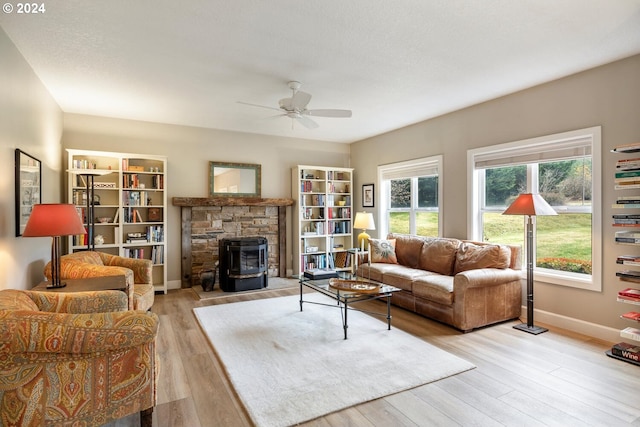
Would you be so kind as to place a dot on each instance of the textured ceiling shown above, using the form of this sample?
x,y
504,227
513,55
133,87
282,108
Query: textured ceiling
x,y
392,63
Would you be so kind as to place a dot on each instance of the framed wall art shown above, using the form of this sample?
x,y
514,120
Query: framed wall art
x,y
28,189
368,196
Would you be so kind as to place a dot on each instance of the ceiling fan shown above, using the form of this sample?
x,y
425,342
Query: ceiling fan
x,y
296,108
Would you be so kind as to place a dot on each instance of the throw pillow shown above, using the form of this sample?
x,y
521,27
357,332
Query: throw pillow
x,y
472,256
383,251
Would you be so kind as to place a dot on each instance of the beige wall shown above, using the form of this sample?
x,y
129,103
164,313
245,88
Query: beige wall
x,y
608,96
189,151
31,121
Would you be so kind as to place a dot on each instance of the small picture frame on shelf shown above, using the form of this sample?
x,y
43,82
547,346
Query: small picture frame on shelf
x,y
154,214
368,196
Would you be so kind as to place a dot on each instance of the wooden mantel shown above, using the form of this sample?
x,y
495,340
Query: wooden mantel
x,y
187,203
230,201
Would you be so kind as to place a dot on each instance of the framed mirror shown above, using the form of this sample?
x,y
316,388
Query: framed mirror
x,y
234,179
28,190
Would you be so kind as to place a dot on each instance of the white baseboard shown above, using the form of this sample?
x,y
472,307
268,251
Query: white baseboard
x,y
594,330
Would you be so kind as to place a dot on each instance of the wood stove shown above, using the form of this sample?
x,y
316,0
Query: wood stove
x,y
243,263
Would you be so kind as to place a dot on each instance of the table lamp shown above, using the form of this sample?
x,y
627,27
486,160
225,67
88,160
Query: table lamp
x,y
54,220
364,222
530,205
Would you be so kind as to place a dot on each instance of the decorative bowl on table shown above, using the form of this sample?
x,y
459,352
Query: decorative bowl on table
x,y
357,286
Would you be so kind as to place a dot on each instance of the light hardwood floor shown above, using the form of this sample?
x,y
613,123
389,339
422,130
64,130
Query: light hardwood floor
x,y
557,378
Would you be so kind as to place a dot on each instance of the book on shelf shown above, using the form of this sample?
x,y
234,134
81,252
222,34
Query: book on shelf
x,y
626,186
628,260
628,173
634,205
627,240
628,275
627,148
633,234
627,351
630,292
630,300
631,315
631,333
628,199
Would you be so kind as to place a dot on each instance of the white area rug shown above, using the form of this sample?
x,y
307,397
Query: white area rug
x,y
289,366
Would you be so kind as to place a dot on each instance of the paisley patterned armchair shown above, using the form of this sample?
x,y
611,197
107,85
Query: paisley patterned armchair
x,y
77,359
138,273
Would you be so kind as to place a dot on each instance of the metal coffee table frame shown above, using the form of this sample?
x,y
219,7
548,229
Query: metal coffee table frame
x,y
344,299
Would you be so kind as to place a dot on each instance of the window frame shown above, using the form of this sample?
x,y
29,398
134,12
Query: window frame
x,y
475,190
411,168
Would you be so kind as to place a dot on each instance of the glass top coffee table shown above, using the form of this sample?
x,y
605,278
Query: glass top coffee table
x,y
346,291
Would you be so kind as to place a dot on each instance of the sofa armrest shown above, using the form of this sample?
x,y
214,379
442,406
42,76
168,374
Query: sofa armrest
x,y
24,331
483,277
80,302
142,268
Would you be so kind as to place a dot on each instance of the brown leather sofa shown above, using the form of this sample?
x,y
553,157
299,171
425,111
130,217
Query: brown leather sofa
x,y
464,284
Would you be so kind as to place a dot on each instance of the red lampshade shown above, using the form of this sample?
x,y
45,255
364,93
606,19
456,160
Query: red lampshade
x,y
53,220
529,204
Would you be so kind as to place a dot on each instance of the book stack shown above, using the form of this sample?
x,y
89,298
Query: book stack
x,y
626,220
627,237
627,202
628,294
628,170
628,260
626,351
631,333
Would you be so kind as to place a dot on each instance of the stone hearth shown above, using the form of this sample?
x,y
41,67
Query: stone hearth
x,y
207,220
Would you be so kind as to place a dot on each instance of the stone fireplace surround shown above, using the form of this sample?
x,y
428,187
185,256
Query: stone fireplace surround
x,y
206,220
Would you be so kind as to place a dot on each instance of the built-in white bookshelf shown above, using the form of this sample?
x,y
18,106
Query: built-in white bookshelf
x,y
129,205
322,217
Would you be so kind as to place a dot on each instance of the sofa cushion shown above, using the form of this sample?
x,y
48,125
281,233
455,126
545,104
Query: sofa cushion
x,y
402,277
434,287
438,255
383,251
471,256
374,271
408,249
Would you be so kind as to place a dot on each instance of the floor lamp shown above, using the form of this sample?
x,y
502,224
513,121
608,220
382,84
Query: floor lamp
x,y
530,205
54,220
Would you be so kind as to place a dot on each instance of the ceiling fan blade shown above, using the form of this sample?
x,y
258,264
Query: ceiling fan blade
x,y
328,113
307,122
256,105
299,100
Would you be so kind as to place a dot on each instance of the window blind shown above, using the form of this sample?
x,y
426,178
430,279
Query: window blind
x,y
410,170
537,153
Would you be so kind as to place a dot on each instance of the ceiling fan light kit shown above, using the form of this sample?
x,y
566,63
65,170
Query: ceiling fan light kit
x,y
295,107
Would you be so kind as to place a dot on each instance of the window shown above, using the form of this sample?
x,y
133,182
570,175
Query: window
x,y
411,195
565,169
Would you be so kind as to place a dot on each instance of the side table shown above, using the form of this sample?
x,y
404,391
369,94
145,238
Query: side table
x,y
103,283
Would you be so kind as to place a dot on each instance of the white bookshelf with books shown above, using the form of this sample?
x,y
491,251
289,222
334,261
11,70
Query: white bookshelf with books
x,y
129,205
626,221
322,217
